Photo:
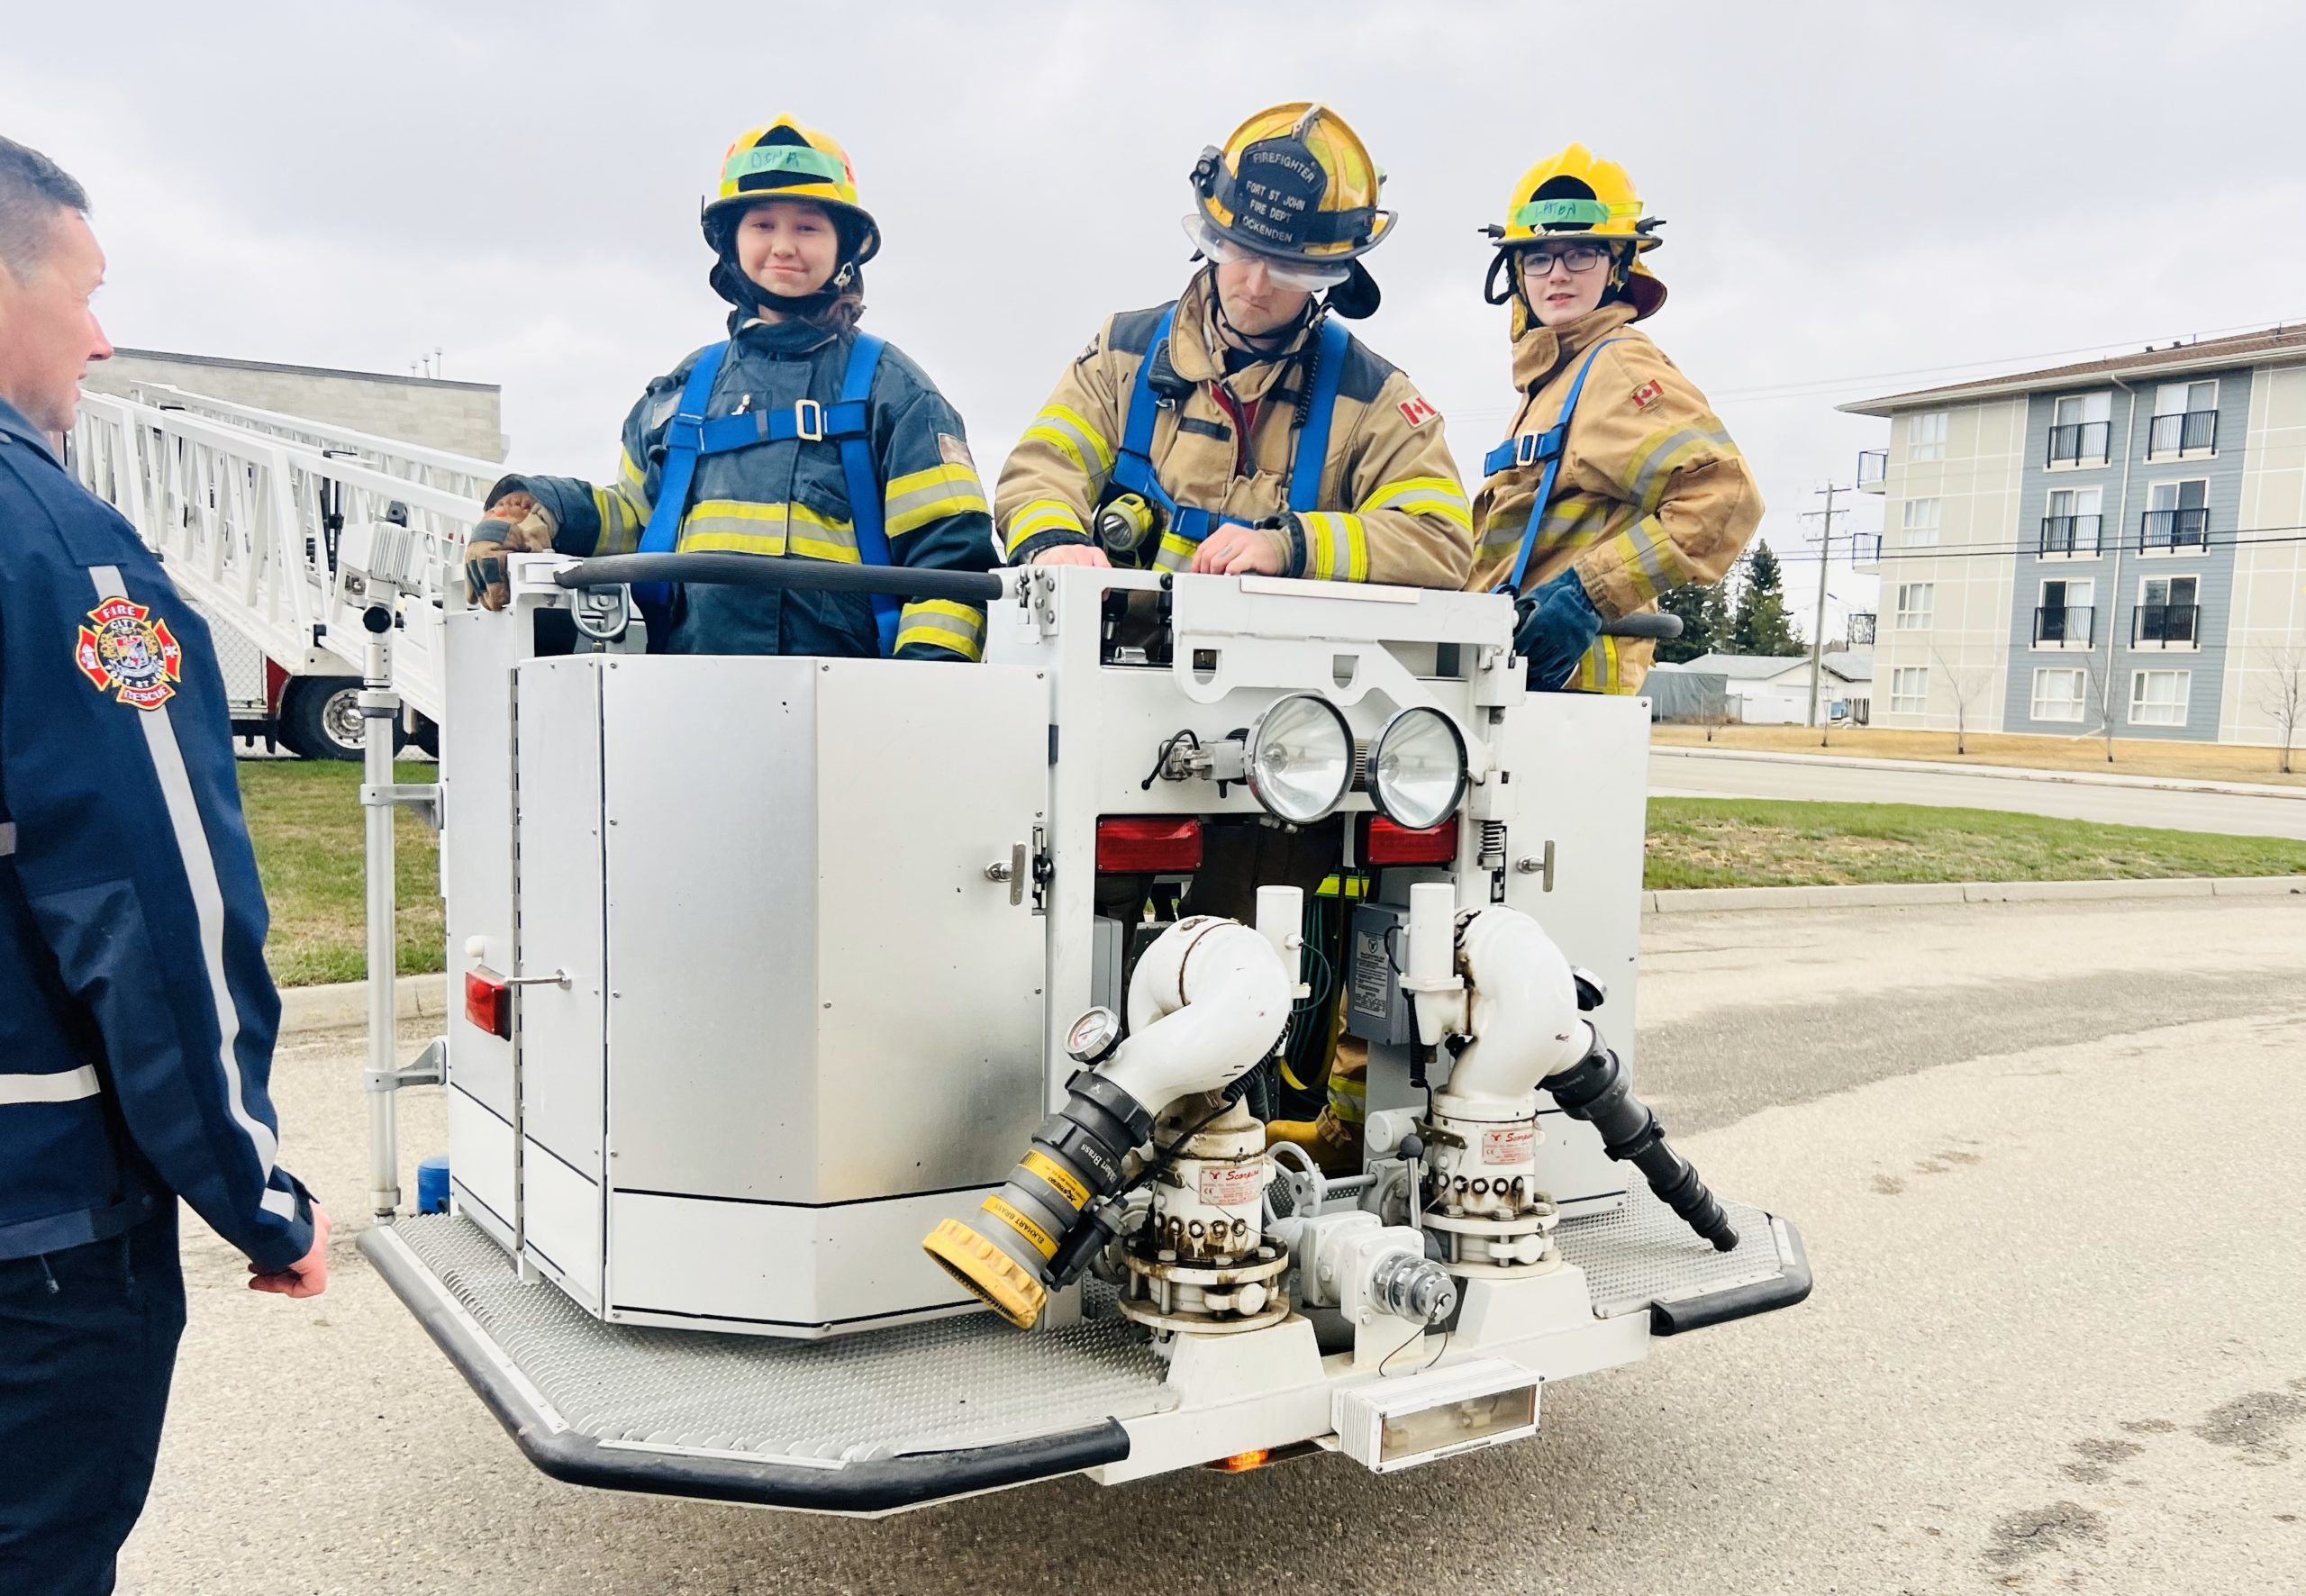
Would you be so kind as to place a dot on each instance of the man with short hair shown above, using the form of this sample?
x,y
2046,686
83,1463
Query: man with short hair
x,y
136,1015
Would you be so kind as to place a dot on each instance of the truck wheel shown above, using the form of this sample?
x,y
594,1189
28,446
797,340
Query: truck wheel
x,y
320,718
427,735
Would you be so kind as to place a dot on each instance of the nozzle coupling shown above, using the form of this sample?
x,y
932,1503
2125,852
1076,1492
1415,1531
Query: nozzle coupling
x,y
1028,1236
1597,1090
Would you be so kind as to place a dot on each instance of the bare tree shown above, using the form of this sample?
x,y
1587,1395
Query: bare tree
x,y
1968,683
2285,697
2101,678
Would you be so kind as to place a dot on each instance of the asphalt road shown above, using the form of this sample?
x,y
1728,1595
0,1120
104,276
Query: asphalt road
x,y
1728,776
2045,1162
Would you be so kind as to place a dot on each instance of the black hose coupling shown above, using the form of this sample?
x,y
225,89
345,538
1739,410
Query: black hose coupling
x,y
1597,1090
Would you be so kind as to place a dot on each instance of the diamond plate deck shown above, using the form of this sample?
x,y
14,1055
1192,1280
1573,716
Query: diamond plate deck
x,y
954,1382
1642,1254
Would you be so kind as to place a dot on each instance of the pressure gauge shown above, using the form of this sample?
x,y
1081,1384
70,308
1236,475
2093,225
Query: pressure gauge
x,y
1093,1037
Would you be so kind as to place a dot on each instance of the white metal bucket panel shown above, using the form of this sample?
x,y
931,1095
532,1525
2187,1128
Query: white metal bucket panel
x,y
476,859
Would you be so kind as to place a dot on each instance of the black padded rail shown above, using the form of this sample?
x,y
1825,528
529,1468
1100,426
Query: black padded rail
x,y
1789,1286
769,570
881,1485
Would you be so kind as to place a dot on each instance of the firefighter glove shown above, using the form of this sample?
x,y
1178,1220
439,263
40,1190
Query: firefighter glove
x,y
1554,624
515,523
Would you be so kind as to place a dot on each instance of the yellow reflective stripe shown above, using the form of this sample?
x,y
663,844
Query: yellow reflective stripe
x,y
734,526
1602,670
1337,549
1423,495
620,526
1650,559
1569,521
1068,432
631,476
913,501
1038,516
1664,453
1348,1097
1175,553
944,623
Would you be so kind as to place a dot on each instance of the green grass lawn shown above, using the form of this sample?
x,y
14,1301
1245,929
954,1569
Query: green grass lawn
x,y
1762,842
306,818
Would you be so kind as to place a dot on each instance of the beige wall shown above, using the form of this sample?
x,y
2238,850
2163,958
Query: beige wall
x,y
463,418
2266,634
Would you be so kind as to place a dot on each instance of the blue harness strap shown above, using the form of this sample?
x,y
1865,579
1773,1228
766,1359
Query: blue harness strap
x,y
1532,448
1133,461
688,436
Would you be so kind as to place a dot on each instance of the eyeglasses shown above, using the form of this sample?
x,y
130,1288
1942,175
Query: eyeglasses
x,y
1576,259
1287,272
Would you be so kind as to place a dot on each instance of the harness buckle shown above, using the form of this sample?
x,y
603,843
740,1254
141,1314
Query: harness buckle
x,y
809,420
1525,449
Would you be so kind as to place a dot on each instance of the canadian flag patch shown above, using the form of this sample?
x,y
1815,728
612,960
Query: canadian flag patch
x,y
1647,394
1418,411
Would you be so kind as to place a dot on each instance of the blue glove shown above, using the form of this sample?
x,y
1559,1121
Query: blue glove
x,y
1556,624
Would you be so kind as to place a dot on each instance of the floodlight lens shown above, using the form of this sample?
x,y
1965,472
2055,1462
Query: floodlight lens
x,y
1300,758
1420,773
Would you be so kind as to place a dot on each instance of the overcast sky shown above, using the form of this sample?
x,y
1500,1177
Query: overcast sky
x,y
1862,199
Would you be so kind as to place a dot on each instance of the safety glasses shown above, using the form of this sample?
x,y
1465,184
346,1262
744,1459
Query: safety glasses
x,y
1578,259
1286,271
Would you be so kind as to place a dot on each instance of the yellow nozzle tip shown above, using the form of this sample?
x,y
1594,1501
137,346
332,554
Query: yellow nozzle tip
x,y
991,1274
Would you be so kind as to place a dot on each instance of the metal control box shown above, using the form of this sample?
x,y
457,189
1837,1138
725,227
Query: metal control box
x,y
1376,1009
778,1015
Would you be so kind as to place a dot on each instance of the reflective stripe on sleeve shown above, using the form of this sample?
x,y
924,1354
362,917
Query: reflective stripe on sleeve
x,y
944,623
1041,515
1423,495
64,1086
914,500
1070,434
1337,549
191,838
1665,453
1648,558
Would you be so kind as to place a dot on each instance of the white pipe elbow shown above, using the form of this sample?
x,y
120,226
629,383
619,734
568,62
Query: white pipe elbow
x,y
1208,1001
1525,1020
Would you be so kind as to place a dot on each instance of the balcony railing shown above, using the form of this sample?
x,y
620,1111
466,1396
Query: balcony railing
x,y
1865,548
2183,433
2169,530
1872,470
2080,443
2064,626
2165,626
2071,534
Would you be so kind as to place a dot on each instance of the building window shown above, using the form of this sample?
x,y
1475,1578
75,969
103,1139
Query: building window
x,y
2058,695
2081,425
2158,697
2185,419
1914,602
1910,690
2177,518
1919,519
1926,436
2071,529
2167,615
2063,617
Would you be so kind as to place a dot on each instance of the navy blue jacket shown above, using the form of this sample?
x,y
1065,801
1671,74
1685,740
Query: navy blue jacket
x,y
136,1014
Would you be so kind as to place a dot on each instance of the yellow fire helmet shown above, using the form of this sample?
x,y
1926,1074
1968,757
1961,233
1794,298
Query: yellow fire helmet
x,y
1294,181
786,160
1576,194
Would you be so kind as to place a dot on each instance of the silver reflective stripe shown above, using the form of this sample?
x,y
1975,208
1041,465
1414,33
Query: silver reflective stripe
x,y
207,897
66,1087
7,837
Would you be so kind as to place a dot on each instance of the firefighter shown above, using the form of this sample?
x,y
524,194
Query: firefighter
x,y
1240,428
136,1016
1618,481
798,437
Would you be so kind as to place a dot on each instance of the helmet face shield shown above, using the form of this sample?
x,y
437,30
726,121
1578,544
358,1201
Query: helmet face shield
x,y
1287,271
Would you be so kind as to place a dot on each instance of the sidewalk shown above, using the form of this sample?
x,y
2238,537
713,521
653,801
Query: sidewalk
x,y
2176,784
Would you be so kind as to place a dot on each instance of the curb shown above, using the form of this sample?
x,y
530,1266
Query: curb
x,y
2004,772
1892,895
343,1005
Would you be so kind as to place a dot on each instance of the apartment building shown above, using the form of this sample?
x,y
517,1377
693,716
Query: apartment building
x,y
2122,539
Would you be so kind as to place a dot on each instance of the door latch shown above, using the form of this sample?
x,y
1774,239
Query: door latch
x,y
1010,870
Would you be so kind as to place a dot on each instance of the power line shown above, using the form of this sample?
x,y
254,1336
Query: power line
x,y
2294,534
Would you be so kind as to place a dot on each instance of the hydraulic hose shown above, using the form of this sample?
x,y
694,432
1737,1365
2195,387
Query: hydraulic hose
x,y
1597,1090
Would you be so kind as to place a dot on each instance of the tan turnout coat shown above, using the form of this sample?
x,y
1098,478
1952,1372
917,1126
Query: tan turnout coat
x,y
1651,493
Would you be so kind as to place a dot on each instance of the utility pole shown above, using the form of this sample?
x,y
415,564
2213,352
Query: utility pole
x,y
1825,568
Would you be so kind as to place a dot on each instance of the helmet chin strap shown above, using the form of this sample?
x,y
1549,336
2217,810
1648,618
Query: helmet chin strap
x,y
1270,342
730,283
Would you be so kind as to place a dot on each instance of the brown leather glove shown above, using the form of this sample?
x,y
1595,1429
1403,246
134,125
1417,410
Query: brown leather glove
x,y
516,524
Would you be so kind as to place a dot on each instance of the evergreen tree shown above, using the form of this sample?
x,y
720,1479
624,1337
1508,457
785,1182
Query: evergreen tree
x,y
1704,610
1760,625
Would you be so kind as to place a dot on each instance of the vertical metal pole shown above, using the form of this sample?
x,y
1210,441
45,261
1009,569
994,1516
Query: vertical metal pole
x,y
1818,627
380,713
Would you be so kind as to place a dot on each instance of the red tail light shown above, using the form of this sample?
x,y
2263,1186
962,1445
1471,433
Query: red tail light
x,y
1389,844
1148,843
488,1003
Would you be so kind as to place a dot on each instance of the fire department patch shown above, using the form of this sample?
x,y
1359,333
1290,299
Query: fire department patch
x,y
1649,394
129,655
1418,411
